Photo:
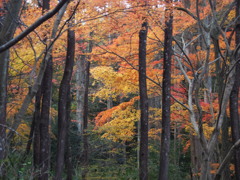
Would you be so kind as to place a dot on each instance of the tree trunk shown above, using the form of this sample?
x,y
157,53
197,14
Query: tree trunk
x,y
80,82
45,114
143,154
45,122
30,139
85,125
196,157
62,105
36,137
225,146
7,28
61,7
166,93
69,166
234,114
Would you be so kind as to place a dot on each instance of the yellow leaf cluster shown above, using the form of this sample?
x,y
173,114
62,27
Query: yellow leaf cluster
x,y
122,125
113,83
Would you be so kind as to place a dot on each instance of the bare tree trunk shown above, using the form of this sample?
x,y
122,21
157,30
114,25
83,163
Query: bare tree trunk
x,y
85,125
7,29
234,114
46,87
143,154
45,122
69,166
166,93
80,82
225,146
3,102
36,136
196,157
30,139
62,105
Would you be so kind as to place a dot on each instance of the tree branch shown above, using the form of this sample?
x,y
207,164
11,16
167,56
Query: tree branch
x,y
41,20
227,159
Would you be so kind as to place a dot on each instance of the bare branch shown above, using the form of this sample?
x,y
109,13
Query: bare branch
x,y
32,27
186,11
227,159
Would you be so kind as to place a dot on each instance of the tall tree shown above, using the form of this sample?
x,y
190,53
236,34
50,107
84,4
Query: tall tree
x,y
166,92
42,117
143,153
41,121
85,125
45,121
81,82
234,97
7,29
36,129
46,87
62,104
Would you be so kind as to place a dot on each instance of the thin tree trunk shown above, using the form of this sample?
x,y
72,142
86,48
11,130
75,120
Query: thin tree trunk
x,y
62,105
3,106
80,82
69,166
7,29
81,74
85,125
36,137
30,139
166,93
234,114
143,154
45,122
46,87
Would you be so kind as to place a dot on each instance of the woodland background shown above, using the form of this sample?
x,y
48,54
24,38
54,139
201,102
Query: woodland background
x,y
119,89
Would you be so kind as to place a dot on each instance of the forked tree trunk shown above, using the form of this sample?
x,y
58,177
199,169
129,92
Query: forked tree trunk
x,y
42,121
143,154
62,105
166,93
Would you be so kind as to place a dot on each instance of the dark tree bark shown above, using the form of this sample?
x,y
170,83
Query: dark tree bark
x,y
36,138
166,94
62,105
7,28
143,154
42,118
234,114
30,139
41,123
46,87
45,121
85,124
69,166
